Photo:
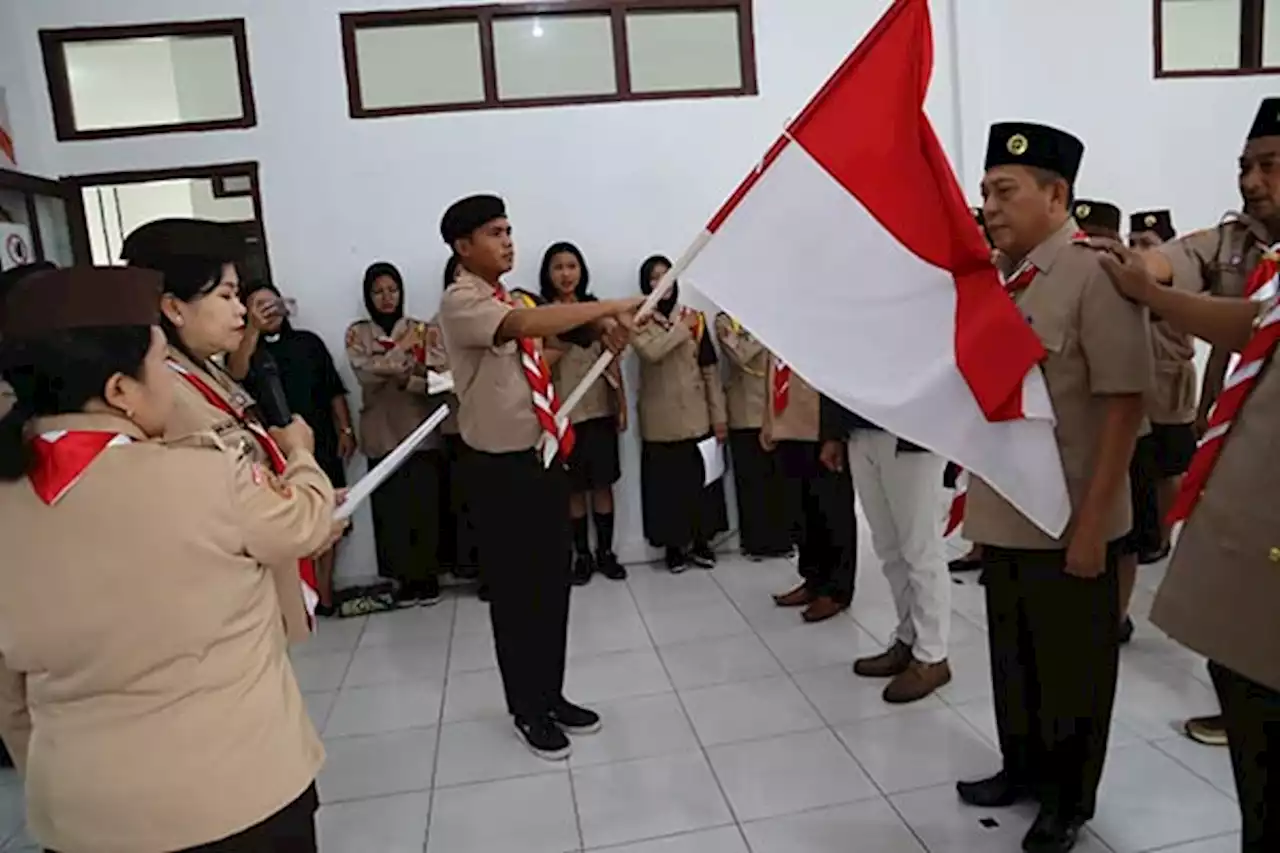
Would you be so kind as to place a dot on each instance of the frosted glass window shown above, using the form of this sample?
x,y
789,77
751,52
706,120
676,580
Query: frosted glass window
x,y
1200,35
419,65
1271,35
684,51
555,56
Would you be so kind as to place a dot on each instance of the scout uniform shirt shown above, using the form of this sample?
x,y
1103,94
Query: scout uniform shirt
x,y
1217,260
601,400
1172,400
192,414
495,402
679,400
157,710
801,420
393,382
1097,345
1221,592
746,391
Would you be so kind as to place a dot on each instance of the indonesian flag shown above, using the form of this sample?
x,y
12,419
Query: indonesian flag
x,y
851,252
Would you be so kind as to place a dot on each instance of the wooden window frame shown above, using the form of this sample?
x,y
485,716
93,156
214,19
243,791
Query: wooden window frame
x,y
55,67
1252,14
485,15
30,186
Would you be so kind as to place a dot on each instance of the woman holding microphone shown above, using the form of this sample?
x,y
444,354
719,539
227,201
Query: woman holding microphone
x,y
158,711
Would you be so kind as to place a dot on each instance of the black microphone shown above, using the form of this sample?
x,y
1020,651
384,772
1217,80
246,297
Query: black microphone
x,y
272,403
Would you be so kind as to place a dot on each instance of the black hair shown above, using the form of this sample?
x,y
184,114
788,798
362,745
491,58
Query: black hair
x,y
386,322
668,302
451,270
187,279
58,374
548,289
247,290
1044,177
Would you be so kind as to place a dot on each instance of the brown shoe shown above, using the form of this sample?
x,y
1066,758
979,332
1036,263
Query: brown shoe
x,y
917,681
823,608
886,664
798,597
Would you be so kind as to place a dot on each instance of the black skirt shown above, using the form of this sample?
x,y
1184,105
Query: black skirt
x,y
594,462
678,510
762,506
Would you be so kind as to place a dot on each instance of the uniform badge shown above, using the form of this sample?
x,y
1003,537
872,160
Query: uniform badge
x,y
1150,220
353,336
1083,211
264,477
1017,145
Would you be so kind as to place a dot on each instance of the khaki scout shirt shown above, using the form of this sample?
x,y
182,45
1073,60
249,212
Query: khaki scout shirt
x,y
495,403
801,419
678,399
393,385
1098,346
746,391
1172,400
601,400
145,689
1217,260
194,414
1221,595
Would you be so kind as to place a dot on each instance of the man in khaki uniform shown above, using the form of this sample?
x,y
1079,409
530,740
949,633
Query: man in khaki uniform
x,y
1220,594
520,506
1053,603
819,499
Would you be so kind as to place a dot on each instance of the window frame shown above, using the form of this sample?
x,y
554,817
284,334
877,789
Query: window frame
x,y
485,15
59,81
1252,18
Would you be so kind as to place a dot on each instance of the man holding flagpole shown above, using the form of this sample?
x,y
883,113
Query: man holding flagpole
x,y
508,417
1053,602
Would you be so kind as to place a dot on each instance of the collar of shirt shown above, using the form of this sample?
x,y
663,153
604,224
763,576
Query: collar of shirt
x,y
88,422
1255,228
1044,256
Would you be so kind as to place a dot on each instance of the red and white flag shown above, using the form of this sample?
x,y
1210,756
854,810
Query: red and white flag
x,y
851,252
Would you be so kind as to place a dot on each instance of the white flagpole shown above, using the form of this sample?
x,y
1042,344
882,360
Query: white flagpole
x,y
663,287
360,492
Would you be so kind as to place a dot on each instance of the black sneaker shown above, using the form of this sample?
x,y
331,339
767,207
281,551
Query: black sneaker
x,y
408,594
543,737
583,568
573,719
1126,631
677,561
482,592
429,592
702,556
609,566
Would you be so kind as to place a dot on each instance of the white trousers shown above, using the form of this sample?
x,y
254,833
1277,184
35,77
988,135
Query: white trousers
x,y
901,495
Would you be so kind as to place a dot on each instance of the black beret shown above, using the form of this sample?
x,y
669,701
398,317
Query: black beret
x,y
1099,214
1267,121
158,243
1157,221
1023,144
80,297
466,215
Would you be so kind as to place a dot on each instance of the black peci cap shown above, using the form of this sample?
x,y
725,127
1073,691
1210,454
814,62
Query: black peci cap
x,y
1157,221
1038,145
1267,121
81,297
1098,214
466,215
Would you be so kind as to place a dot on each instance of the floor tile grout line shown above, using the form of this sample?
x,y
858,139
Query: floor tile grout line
x,y
1155,744
444,695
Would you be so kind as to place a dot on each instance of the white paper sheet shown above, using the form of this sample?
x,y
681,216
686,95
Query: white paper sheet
x,y
439,383
712,460
369,483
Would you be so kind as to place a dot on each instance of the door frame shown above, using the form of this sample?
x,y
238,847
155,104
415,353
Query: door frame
x,y
145,176
31,186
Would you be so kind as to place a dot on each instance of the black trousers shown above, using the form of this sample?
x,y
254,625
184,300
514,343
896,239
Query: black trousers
x,y
821,519
290,830
458,550
406,519
1144,480
521,514
1055,656
763,527
1252,715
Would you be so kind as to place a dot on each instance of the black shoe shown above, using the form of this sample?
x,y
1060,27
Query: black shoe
x,y
608,565
482,592
324,611
574,719
543,737
997,792
408,594
677,561
429,592
583,568
965,564
1126,631
702,556
1052,833
1146,558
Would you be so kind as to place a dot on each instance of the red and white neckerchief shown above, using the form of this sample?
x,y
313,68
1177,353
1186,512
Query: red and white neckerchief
x,y
306,568
781,385
60,458
1262,287
386,343
557,432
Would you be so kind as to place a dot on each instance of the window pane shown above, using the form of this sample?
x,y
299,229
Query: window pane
x,y
1271,35
554,56
1200,35
684,51
419,65
144,82
55,230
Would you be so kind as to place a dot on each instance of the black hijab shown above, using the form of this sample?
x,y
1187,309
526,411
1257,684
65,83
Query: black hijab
x,y
668,302
384,321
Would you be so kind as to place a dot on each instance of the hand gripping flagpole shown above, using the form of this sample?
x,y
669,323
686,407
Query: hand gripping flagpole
x,y
602,363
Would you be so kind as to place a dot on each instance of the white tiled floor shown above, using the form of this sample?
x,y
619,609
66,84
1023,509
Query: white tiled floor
x,y
730,727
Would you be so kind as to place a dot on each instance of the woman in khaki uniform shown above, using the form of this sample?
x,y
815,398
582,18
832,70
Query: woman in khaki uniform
x,y
758,480
593,465
681,403
459,553
158,710
391,355
204,320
